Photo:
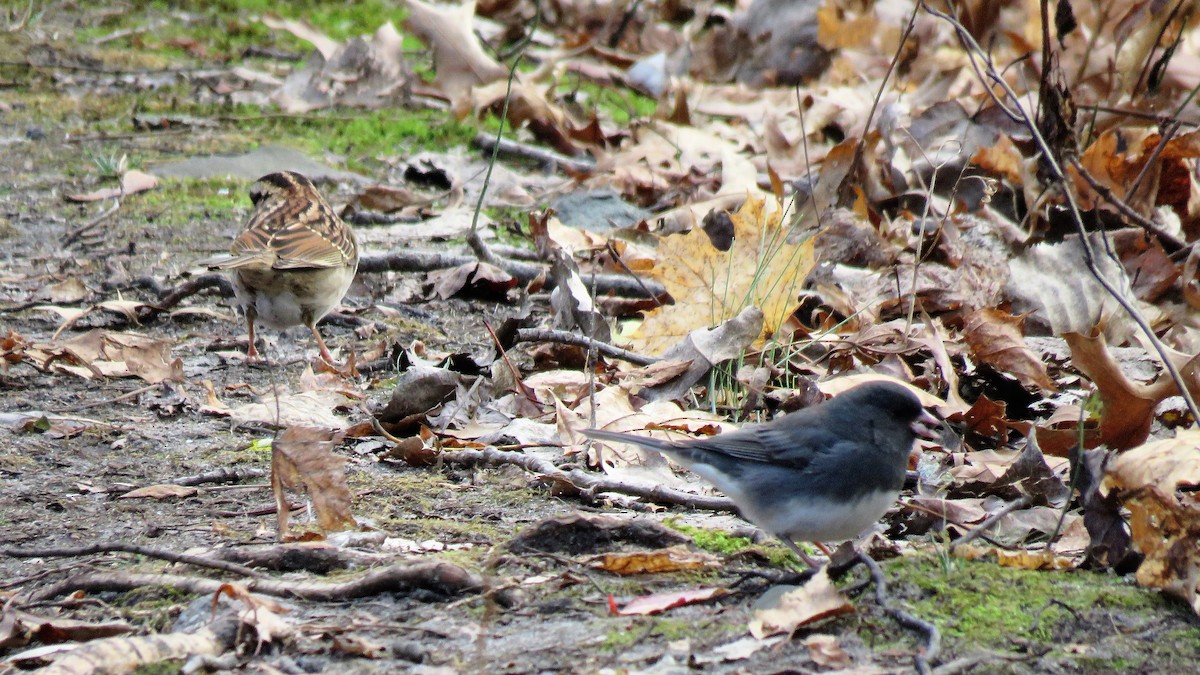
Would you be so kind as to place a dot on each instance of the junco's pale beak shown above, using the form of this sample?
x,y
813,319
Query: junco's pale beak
x,y
927,426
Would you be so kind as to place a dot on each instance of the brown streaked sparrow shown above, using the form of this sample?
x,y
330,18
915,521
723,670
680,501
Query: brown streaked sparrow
x,y
294,260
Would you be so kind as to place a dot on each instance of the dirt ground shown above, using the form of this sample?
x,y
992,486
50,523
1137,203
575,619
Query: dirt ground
x,y
538,611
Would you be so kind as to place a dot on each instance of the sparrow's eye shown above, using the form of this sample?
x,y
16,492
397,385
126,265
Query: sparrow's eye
x,y
257,194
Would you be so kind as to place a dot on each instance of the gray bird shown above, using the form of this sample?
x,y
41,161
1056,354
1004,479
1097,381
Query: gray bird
x,y
821,474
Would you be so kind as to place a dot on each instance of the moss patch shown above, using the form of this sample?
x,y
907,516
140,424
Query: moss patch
x,y
982,606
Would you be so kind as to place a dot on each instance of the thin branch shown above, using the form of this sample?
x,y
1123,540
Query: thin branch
x,y
933,637
859,148
1170,242
568,338
441,577
987,523
473,239
588,484
78,232
415,261
121,547
538,154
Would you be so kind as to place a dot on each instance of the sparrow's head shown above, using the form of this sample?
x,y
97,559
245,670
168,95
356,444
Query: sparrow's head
x,y
282,186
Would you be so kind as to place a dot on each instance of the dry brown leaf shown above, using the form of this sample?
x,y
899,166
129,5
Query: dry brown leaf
x,y
1044,285
161,491
995,338
458,56
1035,560
1157,482
69,316
1058,434
661,561
475,277
213,405
837,29
661,602
132,182
304,30
783,609
1001,159
837,385
308,408
960,512
115,354
367,71
826,651
65,292
1128,406
527,107
126,308
260,613
704,348
303,457
614,411
19,628
1146,262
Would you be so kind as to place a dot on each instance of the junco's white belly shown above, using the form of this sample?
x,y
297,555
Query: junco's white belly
x,y
807,519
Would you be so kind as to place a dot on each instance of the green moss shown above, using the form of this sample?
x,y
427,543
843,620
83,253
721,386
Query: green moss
x,y
226,28
168,667
628,633
725,544
714,541
980,605
154,607
620,105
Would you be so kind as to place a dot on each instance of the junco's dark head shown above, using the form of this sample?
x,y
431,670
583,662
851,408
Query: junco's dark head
x,y
824,473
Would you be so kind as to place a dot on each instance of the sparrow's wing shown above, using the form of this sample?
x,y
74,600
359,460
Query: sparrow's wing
x,y
226,262
295,245
304,234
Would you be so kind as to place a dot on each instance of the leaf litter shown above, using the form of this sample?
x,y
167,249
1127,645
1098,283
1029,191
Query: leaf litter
x,y
922,239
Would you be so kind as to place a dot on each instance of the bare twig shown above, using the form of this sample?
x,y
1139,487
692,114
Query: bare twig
x,y
588,484
844,192
20,22
108,401
541,155
565,337
223,475
987,523
1169,241
440,577
78,232
933,637
104,70
416,261
473,239
121,547
191,287
1168,132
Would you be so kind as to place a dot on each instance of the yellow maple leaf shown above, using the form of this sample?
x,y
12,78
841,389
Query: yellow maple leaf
x,y
710,286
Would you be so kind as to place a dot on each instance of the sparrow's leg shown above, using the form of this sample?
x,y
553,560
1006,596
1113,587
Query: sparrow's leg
x,y
251,351
321,345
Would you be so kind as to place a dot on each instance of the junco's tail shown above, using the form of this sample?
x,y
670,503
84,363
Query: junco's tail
x,y
644,441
